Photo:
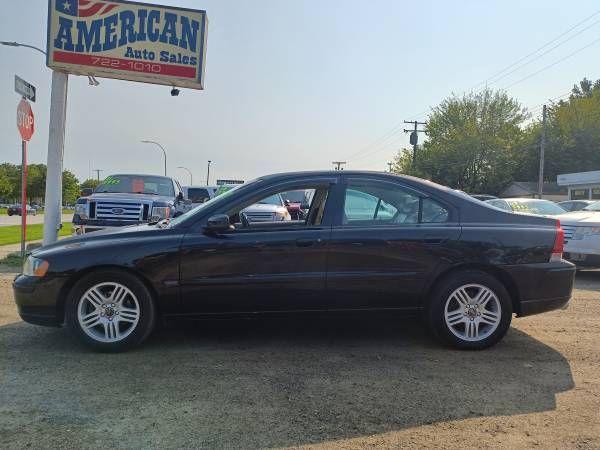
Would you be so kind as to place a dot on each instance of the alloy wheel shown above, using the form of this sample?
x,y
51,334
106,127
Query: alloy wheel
x,y
472,312
108,312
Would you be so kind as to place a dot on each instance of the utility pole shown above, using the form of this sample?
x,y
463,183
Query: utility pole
x,y
414,137
542,149
208,171
389,166
98,173
338,165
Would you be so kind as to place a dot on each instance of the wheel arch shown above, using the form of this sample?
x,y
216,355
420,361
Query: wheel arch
x,y
68,286
495,271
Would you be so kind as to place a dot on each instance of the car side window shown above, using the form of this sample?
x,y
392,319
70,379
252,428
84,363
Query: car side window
x,y
368,203
433,212
374,203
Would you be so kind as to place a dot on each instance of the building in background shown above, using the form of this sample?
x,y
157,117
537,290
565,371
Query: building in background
x,y
552,191
581,185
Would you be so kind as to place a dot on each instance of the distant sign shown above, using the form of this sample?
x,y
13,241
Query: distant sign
x,y
25,122
128,41
222,182
24,89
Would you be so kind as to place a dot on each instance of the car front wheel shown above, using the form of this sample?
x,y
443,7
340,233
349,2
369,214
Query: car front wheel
x,y
110,310
470,310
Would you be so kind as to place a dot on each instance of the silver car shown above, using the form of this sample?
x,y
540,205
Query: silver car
x,y
270,209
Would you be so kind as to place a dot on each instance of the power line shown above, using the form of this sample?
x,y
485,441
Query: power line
x,y
537,50
553,64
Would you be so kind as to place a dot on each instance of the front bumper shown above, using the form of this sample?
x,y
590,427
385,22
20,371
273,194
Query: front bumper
x,y
542,287
39,299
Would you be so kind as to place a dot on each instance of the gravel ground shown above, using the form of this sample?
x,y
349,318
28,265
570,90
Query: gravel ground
x,y
331,383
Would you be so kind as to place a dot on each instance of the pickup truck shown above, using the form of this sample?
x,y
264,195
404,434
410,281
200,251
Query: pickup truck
x,y
129,199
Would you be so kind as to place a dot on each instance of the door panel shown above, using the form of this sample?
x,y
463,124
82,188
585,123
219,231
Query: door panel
x,y
245,271
385,267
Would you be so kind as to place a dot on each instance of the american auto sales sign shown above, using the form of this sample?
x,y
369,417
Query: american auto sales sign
x,y
128,40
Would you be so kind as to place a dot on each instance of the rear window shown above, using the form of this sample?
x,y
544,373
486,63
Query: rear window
x,y
198,195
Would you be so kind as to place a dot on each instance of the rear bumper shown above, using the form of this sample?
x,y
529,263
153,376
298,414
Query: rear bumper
x,y
38,299
542,287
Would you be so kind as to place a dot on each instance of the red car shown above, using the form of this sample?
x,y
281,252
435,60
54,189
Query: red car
x,y
15,210
297,203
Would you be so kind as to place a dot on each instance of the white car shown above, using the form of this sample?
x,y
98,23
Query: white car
x,y
270,209
582,235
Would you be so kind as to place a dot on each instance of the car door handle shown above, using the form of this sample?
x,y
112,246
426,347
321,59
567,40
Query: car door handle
x,y
306,242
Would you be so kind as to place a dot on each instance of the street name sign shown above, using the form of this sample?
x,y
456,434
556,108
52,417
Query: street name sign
x,y
24,89
128,41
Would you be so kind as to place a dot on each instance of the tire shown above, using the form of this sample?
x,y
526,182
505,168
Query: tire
x,y
110,310
474,321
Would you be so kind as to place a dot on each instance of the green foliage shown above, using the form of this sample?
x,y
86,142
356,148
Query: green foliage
x,y
10,183
471,142
90,183
12,234
481,142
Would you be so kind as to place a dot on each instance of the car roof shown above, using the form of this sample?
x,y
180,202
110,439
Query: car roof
x,y
526,199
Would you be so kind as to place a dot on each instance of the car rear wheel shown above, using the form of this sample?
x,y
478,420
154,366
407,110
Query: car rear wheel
x,y
470,310
110,310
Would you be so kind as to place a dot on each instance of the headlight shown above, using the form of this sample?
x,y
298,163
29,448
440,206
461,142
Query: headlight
x,y
81,210
35,267
162,212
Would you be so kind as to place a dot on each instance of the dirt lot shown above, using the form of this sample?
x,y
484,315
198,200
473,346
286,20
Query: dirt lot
x,y
355,383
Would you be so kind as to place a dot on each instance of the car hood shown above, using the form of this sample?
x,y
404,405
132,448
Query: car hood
x,y
580,218
99,238
257,207
112,196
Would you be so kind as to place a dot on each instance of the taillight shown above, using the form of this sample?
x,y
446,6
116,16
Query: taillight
x,y
559,243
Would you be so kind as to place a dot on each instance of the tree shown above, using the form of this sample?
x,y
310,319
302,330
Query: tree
x,y
472,142
90,183
70,187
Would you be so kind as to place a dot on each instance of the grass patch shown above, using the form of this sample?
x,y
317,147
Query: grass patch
x,y
12,260
12,233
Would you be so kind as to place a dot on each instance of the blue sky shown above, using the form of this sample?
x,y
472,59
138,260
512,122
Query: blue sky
x,y
293,85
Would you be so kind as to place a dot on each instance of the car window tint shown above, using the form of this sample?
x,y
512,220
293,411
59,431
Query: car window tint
x,y
373,203
433,212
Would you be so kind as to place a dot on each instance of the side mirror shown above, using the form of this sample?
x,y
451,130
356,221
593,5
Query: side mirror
x,y
287,202
86,192
180,197
218,223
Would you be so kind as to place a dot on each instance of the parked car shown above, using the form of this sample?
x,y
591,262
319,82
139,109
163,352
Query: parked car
x,y
538,207
297,203
575,205
466,267
269,209
582,236
199,194
15,210
128,199
483,197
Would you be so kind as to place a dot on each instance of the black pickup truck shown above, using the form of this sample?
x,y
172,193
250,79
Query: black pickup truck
x,y
129,199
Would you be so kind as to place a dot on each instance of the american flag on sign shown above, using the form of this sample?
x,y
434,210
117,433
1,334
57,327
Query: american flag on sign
x,y
84,8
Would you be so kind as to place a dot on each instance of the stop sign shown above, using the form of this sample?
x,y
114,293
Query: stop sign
x,y
25,120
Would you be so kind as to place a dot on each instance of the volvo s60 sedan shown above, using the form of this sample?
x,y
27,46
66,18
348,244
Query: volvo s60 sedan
x,y
369,242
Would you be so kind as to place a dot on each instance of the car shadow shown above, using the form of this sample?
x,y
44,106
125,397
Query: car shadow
x,y
263,383
588,279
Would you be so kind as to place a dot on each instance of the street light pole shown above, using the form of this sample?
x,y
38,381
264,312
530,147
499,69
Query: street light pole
x,y
189,171
18,44
163,150
208,171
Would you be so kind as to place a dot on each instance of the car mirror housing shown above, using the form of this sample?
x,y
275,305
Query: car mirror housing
x,y
218,223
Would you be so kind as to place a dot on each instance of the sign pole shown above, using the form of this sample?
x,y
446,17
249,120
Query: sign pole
x,y
56,141
23,197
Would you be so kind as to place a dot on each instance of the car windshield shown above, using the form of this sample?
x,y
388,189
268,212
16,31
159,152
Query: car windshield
x,y
539,207
137,184
271,200
295,196
592,207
